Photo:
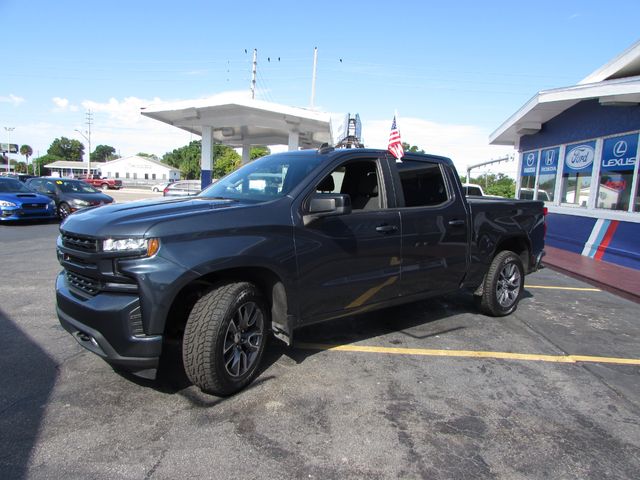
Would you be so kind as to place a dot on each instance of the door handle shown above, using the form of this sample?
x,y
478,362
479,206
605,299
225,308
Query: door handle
x,y
386,228
456,223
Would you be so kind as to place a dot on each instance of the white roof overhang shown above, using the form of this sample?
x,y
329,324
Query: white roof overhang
x,y
246,122
550,103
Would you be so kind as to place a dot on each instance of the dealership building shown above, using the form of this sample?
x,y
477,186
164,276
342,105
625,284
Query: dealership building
x,y
578,151
131,170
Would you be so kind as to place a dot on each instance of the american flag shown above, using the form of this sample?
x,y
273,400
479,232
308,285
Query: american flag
x,y
395,144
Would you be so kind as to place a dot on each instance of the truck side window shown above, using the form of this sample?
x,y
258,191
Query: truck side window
x,y
359,180
422,184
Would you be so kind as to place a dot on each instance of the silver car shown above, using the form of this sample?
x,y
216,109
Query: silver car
x,y
182,188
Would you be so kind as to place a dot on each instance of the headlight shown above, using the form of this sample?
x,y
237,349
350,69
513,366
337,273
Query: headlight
x,y
141,245
52,205
4,203
80,203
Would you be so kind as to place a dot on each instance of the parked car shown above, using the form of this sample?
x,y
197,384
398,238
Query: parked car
x,y
159,187
182,188
285,241
17,202
102,182
23,177
527,194
69,194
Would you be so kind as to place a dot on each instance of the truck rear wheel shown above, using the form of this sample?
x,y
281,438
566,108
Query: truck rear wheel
x,y
225,338
503,285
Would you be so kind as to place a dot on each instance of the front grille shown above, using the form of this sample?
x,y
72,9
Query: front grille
x,y
78,242
34,206
84,284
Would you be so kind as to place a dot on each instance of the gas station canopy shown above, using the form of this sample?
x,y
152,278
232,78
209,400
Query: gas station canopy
x,y
246,122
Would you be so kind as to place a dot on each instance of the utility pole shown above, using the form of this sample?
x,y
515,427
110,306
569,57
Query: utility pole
x,y
253,73
313,76
89,121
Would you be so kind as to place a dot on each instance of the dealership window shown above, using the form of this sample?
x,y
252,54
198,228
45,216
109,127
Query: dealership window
x,y
616,172
146,176
164,176
153,176
576,177
528,175
127,174
548,170
135,176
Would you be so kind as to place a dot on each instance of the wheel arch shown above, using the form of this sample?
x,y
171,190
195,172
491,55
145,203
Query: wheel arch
x,y
266,280
519,245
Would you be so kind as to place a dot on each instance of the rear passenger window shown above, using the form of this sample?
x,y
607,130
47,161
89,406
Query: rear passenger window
x,y
422,184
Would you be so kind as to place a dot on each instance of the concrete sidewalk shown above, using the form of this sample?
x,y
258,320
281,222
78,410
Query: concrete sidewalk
x,y
613,278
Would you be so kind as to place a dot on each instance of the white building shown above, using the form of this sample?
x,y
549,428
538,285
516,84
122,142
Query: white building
x,y
137,169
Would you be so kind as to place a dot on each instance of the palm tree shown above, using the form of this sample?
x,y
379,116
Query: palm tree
x,y
27,151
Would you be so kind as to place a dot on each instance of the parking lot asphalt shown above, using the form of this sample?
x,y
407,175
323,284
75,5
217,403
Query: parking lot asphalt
x,y
428,390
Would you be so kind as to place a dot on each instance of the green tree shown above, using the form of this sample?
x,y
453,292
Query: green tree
x,y
226,160
39,164
187,160
411,148
152,156
103,153
492,184
67,149
19,167
259,151
27,151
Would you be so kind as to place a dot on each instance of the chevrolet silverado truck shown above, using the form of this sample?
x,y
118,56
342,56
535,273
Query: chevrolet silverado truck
x,y
103,183
287,240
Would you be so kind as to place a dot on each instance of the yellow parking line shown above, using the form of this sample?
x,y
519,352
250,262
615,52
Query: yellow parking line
x,y
531,357
576,289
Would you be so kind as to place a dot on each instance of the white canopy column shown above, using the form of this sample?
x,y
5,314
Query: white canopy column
x,y
246,153
294,140
206,159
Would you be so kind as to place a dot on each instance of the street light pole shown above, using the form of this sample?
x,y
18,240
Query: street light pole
x,y
88,139
9,130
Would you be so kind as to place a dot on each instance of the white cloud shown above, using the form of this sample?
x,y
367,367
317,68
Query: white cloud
x,y
60,102
63,105
12,99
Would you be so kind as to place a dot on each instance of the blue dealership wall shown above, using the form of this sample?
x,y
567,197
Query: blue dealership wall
x,y
617,242
587,119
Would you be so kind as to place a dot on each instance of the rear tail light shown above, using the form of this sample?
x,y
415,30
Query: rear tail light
x,y
164,192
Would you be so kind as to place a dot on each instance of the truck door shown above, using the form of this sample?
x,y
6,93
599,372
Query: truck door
x,y
349,261
434,228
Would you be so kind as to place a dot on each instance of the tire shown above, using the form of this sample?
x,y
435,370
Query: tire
x,y
64,211
502,286
105,186
154,189
225,338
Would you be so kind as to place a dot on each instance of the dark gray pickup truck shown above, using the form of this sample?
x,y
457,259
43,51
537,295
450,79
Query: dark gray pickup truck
x,y
285,241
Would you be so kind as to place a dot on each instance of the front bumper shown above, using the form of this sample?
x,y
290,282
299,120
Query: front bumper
x,y
108,324
9,214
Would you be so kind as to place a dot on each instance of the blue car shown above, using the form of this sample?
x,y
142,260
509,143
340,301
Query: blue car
x,y
17,202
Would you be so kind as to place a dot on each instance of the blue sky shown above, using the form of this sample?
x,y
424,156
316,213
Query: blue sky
x,y
453,70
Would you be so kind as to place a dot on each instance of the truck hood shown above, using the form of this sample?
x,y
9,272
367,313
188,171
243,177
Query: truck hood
x,y
137,218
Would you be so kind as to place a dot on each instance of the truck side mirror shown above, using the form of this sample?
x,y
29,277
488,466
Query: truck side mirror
x,y
327,205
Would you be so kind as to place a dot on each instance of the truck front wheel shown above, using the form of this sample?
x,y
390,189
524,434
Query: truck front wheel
x,y
225,338
503,285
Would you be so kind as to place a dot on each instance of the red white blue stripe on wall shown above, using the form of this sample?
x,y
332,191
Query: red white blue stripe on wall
x,y
611,241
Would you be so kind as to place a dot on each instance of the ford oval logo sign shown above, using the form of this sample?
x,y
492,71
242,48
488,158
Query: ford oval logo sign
x,y
580,157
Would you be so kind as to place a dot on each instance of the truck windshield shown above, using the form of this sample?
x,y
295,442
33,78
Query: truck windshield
x,y
264,179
